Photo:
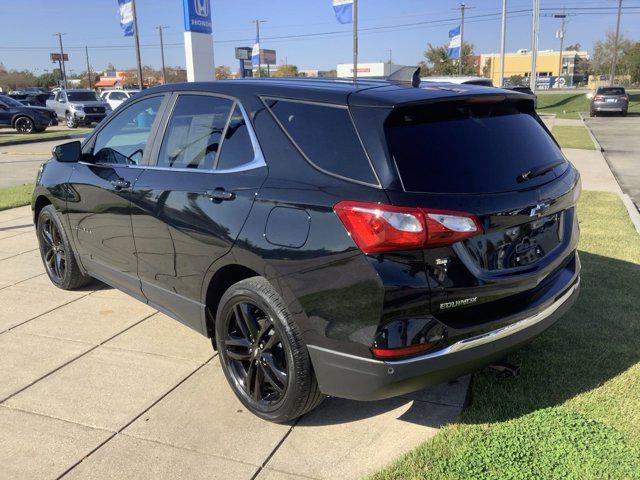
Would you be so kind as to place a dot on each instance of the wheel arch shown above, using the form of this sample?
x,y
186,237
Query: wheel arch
x,y
18,115
40,202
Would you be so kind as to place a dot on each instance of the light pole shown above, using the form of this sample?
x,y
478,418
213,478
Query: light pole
x,y
534,45
137,43
63,70
563,16
258,22
86,53
164,72
503,40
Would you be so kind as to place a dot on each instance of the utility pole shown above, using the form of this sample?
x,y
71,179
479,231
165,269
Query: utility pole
x,y
258,22
86,53
63,70
534,45
355,40
137,43
560,35
463,7
503,41
390,56
164,72
615,47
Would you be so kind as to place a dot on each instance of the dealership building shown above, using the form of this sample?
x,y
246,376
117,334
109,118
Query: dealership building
x,y
379,69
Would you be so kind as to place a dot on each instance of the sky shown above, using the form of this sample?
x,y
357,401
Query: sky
x,y
316,40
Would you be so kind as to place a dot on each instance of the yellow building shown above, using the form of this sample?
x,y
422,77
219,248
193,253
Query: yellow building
x,y
519,64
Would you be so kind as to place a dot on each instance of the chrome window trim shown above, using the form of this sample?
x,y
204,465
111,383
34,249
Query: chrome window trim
x,y
304,155
475,341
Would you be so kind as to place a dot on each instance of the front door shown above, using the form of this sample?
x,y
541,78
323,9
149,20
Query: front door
x,y
192,204
102,184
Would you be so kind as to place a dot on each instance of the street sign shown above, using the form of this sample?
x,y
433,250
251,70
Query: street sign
x,y
267,57
56,57
197,16
243,53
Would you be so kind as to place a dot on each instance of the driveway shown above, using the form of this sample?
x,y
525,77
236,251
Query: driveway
x,y
620,140
94,384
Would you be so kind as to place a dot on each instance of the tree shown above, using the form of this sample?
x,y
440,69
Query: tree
x,y
574,47
630,62
603,53
286,70
437,61
47,80
176,74
223,72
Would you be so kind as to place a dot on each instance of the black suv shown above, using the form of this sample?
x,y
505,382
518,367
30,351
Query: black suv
x,y
358,240
25,118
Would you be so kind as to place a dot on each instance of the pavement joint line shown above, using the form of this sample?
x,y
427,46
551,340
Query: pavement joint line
x,y
53,417
18,254
297,474
185,449
275,449
136,417
154,354
20,281
70,360
44,313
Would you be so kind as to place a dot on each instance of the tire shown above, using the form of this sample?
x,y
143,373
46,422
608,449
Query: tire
x,y
56,252
624,113
71,120
24,125
592,113
255,333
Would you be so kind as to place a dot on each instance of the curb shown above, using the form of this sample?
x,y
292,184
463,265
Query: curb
x,y
632,210
38,140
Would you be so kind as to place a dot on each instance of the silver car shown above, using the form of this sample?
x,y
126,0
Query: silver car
x,y
78,107
609,99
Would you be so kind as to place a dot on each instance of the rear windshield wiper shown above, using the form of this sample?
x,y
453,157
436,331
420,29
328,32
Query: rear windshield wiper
x,y
536,172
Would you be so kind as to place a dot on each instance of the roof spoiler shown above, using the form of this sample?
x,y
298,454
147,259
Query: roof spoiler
x,y
406,75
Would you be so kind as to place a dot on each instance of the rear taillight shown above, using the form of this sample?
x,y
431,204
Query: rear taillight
x,y
597,98
377,228
402,351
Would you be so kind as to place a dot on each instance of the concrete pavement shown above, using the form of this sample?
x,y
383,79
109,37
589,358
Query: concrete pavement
x,y
619,138
96,385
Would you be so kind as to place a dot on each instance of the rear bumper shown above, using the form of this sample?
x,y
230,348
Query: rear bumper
x,y
609,107
358,378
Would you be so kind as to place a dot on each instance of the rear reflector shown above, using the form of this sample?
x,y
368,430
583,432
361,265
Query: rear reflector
x,y
377,228
402,351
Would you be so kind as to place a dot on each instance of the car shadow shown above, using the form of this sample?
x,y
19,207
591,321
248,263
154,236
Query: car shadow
x,y
594,342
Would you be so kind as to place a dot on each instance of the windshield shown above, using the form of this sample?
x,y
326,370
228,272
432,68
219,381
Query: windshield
x,y
471,148
10,101
82,96
611,91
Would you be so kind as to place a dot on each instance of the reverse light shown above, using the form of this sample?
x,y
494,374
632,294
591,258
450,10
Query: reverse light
x,y
377,227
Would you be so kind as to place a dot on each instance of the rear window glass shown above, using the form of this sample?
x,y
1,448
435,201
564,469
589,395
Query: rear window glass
x,y
469,148
611,91
326,136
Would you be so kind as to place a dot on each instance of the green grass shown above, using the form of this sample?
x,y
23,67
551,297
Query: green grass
x,y
567,105
573,137
574,412
43,135
15,196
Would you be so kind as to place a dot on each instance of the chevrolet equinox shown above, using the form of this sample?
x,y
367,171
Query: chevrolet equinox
x,y
361,240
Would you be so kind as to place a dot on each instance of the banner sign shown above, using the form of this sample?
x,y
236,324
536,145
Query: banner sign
x,y
126,17
197,16
454,43
255,52
343,10
243,53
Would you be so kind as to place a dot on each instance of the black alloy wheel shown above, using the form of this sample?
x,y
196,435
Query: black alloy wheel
x,y
256,355
53,250
24,125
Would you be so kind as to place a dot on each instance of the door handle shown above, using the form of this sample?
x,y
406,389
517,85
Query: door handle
x,y
120,183
220,194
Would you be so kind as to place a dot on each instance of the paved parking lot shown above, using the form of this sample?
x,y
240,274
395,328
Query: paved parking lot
x,y
94,384
620,139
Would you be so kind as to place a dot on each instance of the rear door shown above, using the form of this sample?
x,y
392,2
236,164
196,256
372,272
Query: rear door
x,y
194,198
99,206
496,161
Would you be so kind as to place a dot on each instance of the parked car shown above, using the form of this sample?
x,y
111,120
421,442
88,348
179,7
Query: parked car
x,y
525,90
332,238
609,99
460,79
29,98
115,98
78,107
25,119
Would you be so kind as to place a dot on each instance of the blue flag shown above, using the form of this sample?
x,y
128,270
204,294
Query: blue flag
x,y
126,17
344,10
454,43
255,52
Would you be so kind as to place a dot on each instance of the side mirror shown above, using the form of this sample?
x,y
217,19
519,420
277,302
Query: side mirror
x,y
68,152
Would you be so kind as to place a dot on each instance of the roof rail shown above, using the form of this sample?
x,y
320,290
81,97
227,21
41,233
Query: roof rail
x,y
406,75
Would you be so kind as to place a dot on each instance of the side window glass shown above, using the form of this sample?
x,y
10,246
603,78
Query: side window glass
x,y
124,138
327,137
237,148
194,133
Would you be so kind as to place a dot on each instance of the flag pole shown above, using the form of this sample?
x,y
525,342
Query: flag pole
x,y
137,43
355,40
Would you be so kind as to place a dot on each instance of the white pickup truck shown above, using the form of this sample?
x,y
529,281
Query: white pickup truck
x,y
78,107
